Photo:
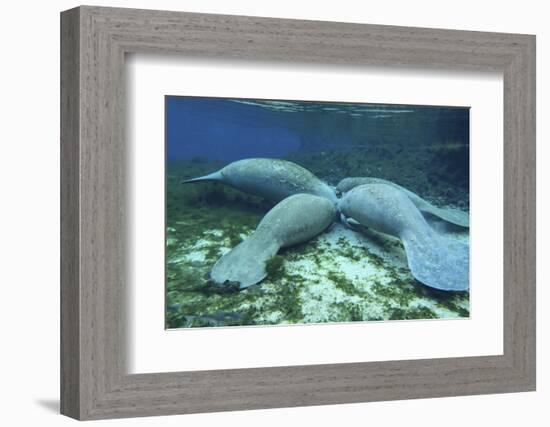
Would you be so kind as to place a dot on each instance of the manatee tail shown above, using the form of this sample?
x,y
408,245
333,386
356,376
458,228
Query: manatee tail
x,y
454,216
246,262
215,176
438,262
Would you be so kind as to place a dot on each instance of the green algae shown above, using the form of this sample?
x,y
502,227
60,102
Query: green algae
x,y
275,267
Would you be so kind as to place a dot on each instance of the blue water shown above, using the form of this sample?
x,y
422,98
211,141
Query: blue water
x,y
231,129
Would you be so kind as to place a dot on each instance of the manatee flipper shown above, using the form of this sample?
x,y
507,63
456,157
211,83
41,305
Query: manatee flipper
x,y
245,263
295,219
349,222
438,262
453,216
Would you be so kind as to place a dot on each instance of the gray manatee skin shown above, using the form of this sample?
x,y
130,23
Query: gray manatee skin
x,y
294,220
436,261
272,179
453,216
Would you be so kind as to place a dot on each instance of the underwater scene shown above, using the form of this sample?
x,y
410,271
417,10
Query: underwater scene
x,y
297,212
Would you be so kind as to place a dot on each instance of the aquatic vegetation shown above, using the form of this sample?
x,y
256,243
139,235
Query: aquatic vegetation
x,y
275,266
450,163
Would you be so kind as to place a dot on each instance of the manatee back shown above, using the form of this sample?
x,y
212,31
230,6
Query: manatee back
x,y
297,218
349,183
381,207
274,179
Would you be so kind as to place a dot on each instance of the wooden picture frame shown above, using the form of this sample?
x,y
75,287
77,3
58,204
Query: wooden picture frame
x,y
94,382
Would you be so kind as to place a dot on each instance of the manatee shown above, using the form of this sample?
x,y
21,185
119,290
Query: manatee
x,y
272,179
436,261
296,219
453,216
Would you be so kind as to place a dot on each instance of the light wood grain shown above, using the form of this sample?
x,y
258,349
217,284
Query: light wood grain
x,y
94,381
70,259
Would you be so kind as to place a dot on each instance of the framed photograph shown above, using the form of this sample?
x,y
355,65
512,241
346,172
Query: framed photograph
x,y
262,213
